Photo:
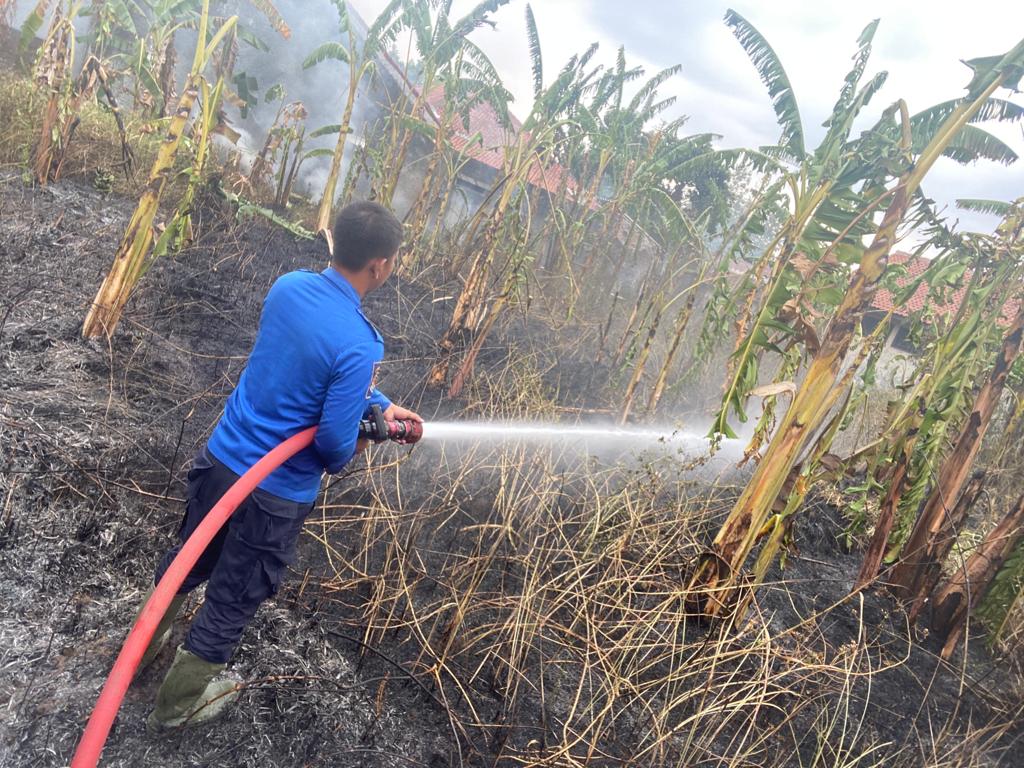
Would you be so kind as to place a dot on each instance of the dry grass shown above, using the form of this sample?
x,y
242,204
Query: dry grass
x,y
538,598
94,154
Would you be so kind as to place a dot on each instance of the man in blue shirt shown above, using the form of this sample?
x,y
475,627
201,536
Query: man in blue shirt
x,y
314,363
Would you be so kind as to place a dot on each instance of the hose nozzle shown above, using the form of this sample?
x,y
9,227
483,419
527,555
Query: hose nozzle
x,y
377,429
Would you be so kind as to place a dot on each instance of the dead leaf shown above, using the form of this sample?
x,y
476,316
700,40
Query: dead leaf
x,y
808,334
776,388
803,265
831,462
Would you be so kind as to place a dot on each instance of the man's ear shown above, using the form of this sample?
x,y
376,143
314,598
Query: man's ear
x,y
374,267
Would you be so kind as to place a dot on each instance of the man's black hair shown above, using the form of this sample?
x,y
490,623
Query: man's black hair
x,y
364,231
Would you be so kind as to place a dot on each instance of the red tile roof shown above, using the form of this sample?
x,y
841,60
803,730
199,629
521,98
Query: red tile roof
x,y
491,139
915,266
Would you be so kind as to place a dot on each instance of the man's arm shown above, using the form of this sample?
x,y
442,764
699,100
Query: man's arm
x,y
378,398
345,404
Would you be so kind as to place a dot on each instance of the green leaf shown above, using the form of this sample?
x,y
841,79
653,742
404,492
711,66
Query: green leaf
x,y
253,40
774,76
1010,66
325,130
247,88
422,127
645,96
145,74
274,93
972,143
994,207
536,61
852,80
33,23
926,122
385,28
325,51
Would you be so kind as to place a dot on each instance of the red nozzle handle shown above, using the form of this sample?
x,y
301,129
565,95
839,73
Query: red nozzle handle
x,y
405,431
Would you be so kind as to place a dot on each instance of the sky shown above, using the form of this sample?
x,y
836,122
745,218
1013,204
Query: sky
x,y
919,42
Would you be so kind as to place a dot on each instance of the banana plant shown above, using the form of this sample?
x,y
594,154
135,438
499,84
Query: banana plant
x,y
130,259
178,232
359,58
494,278
53,75
913,576
713,582
908,453
461,74
835,192
448,58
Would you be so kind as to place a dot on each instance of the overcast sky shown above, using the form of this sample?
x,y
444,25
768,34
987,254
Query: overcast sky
x,y
920,44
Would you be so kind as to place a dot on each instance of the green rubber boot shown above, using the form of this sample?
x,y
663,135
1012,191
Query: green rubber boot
x,y
189,694
163,629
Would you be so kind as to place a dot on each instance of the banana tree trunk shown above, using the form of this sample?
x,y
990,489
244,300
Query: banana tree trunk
x,y
465,370
682,322
420,209
887,512
908,578
942,545
639,365
167,77
965,589
54,70
395,170
458,326
712,585
628,330
323,217
109,303
45,148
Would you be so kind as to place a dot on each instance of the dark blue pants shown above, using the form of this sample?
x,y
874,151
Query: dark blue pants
x,y
243,564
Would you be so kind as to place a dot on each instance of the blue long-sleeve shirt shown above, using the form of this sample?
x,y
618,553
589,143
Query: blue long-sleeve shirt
x,y
313,363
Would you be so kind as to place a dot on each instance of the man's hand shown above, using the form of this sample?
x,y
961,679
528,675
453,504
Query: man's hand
x,y
397,412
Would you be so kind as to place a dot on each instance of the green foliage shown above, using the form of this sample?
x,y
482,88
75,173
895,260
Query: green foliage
x,y
30,29
536,60
993,207
330,50
774,76
1004,595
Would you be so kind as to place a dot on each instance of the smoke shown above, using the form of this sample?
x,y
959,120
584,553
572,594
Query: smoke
x,y
321,88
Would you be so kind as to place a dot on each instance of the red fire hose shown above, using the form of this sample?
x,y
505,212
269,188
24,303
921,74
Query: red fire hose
x,y
97,729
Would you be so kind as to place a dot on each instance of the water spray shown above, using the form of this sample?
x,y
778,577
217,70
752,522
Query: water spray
x,y
509,431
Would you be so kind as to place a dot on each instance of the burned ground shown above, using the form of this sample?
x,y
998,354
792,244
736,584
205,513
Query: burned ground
x,y
96,437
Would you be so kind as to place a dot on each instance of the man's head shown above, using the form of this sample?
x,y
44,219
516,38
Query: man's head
x,y
366,240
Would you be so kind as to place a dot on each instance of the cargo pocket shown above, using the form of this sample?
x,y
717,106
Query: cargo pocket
x,y
196,505
265,581
270,536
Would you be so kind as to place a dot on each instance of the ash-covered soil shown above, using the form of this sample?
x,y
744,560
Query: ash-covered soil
x,y
94,441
